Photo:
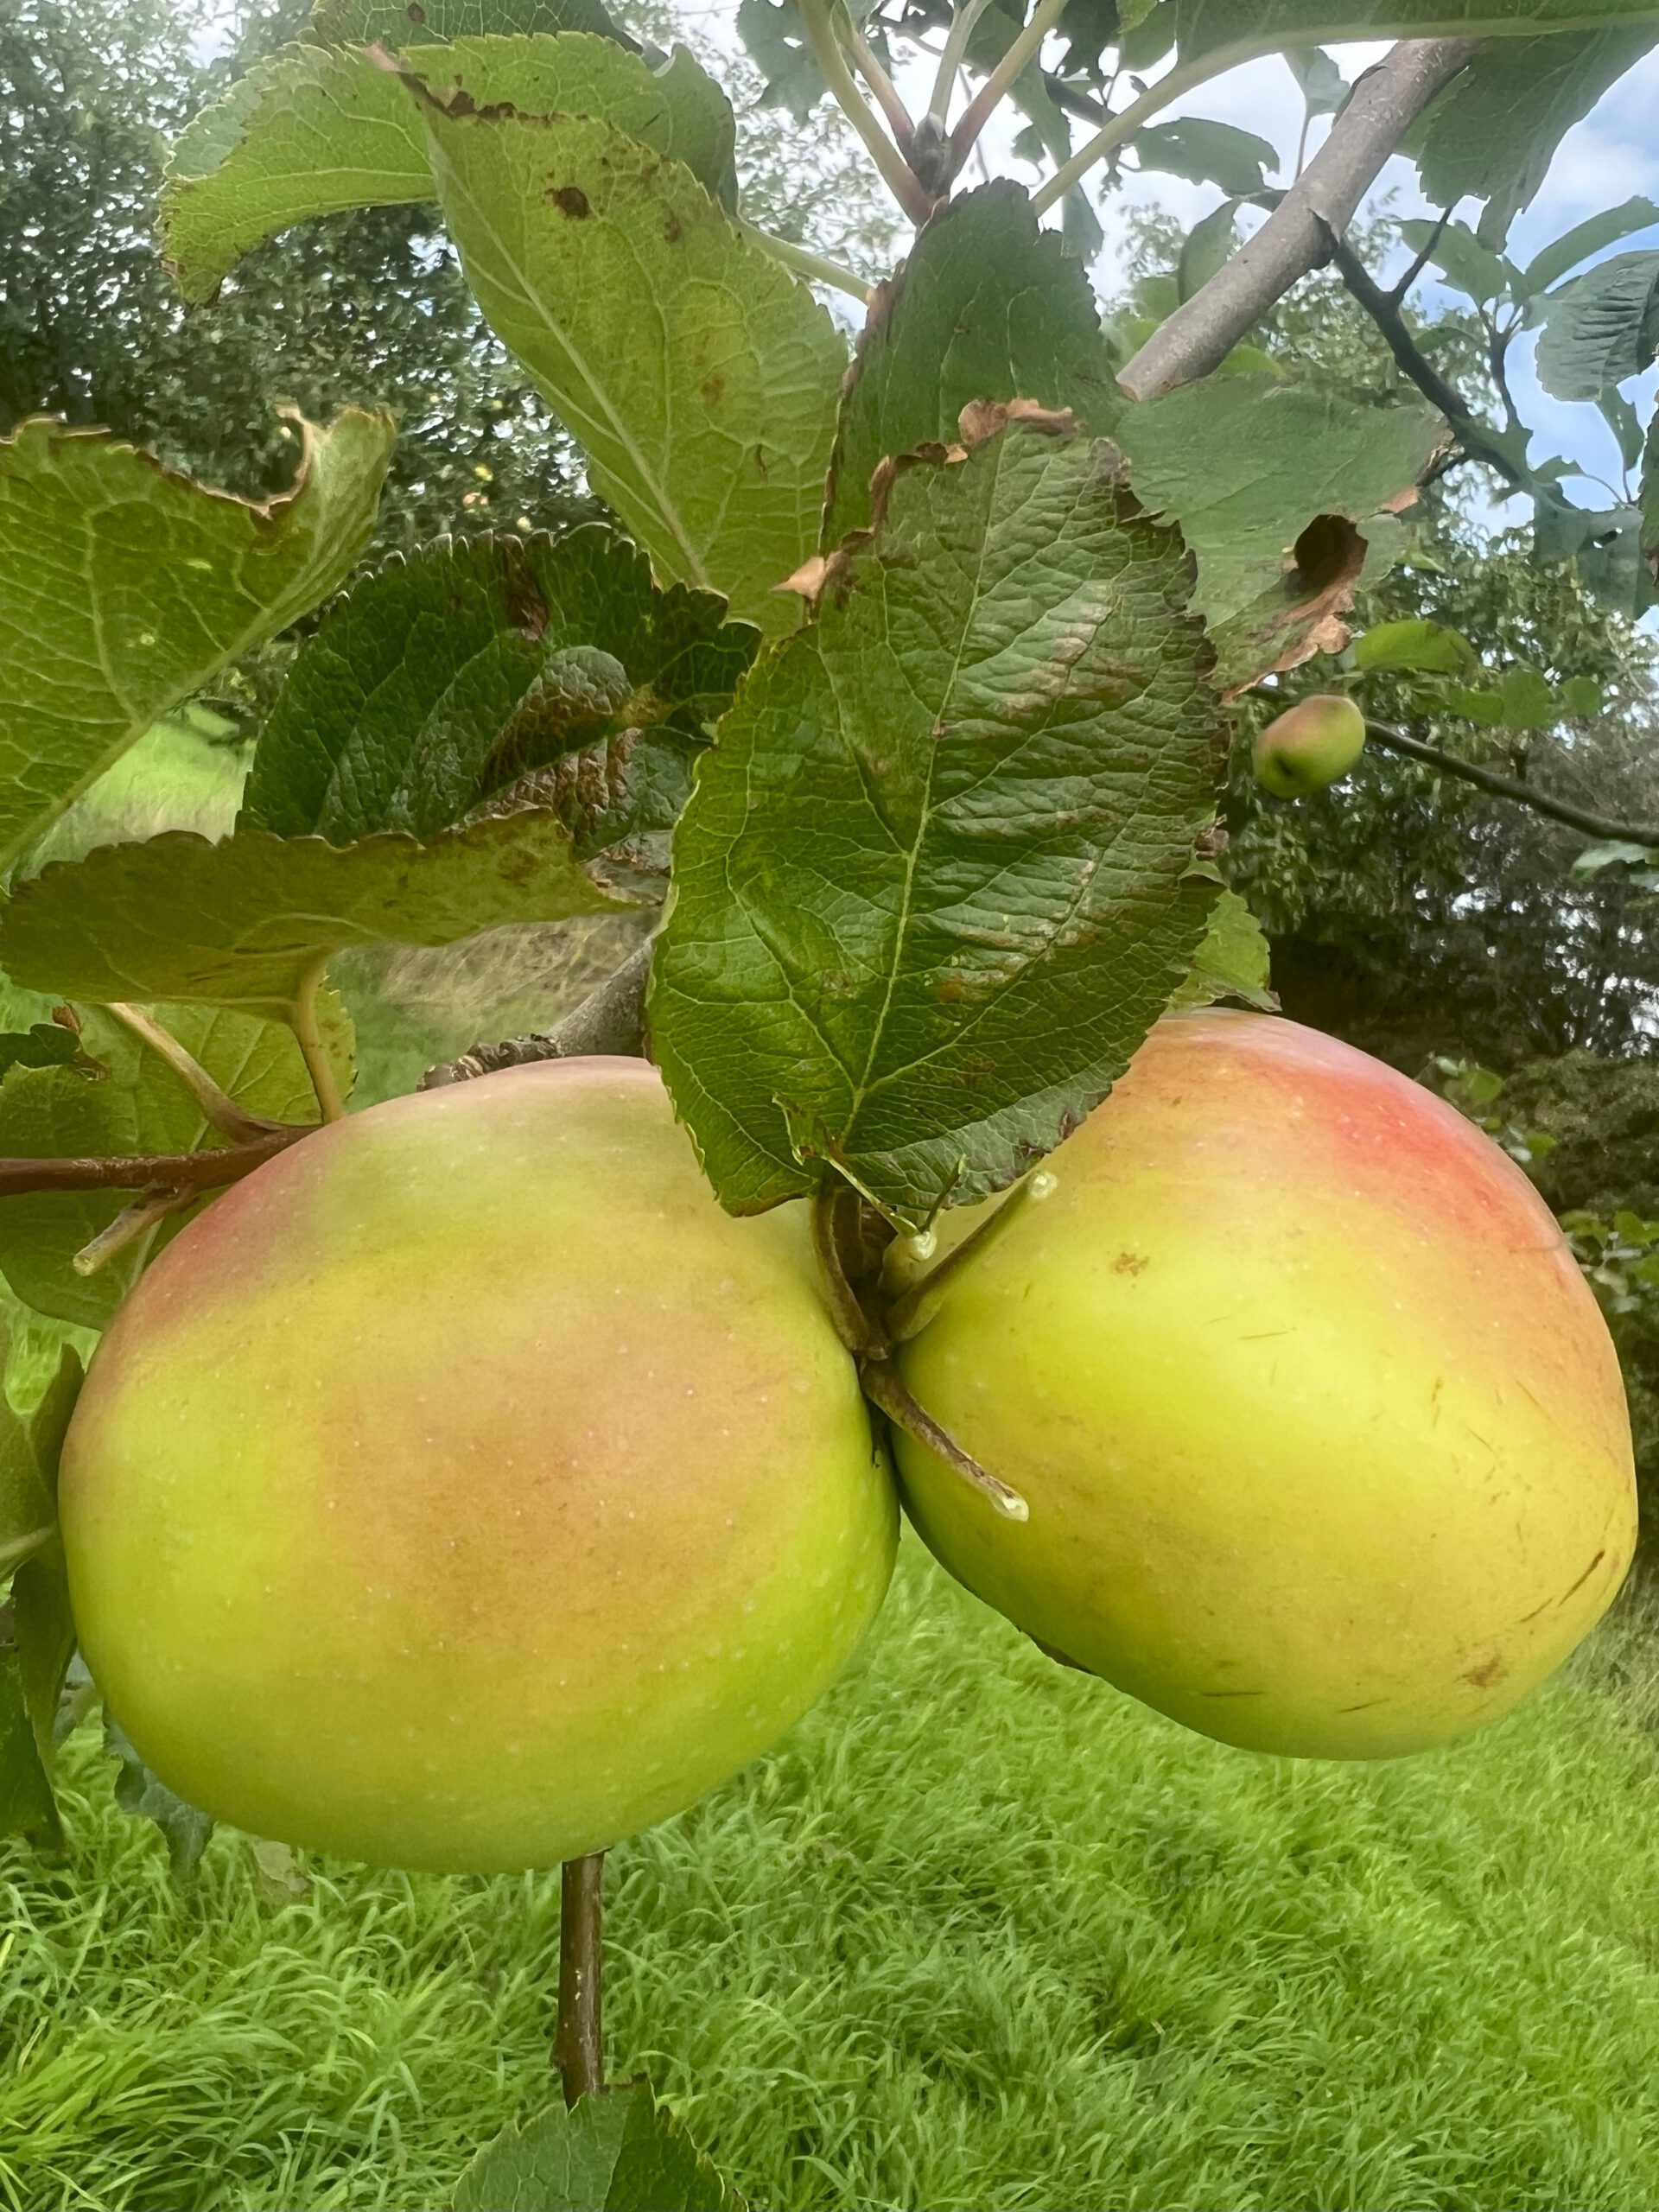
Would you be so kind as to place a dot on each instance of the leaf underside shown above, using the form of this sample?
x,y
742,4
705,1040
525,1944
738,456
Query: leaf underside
x,y
245,922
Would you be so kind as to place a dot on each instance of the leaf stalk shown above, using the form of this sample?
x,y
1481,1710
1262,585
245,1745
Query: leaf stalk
x,y
895,171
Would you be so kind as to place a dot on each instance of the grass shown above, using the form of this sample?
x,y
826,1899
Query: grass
x,y
981,1934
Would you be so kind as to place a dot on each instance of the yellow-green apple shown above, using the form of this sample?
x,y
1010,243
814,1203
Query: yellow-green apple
x,y
1322,1435
1309,745
465,1489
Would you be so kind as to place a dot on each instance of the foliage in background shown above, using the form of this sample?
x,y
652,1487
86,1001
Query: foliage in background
x,y
367,306
1406,912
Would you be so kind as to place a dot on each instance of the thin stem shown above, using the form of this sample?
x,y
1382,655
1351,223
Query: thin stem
x,y
895,170
216,1103
1384,310
955,45
986,101
313,1049
852,1325
812,266
129,1224
1123,126
887,96
148,1170
1420,261
910,1315
1301,141
578,2040
1487,779
883,1388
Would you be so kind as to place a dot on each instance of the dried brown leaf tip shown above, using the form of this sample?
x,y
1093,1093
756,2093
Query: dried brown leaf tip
x,y
982,420
808,579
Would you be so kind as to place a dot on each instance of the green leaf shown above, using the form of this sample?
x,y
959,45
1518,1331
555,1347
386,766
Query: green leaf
x,y
1242,27
246,922
619,2152
314,129
1528,703
1416,644
1244,464
129,1102
1461,258
1232,961
698,375
1208,247
1605,544
1621,419
1599,328
1324,88
448,678
776,44
1493,132
988,306
43,1631
46,1044
28,1515
934,883
1594,858
1486,708
1585,238
124,587
1207,152
27,1806
1582,696
146,1797
396,23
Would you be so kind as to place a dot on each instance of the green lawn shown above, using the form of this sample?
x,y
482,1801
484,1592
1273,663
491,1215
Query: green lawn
x,y
982,1934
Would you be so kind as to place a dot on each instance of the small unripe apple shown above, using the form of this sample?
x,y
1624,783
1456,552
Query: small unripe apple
x,y
1309,745
465,1489
1321,1433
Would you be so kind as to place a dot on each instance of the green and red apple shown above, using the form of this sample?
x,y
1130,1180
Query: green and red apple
x,y
464,1490
1321,1433
1309,745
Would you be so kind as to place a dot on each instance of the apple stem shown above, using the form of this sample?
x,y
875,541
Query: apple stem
x,y
132,1222
860,1335
882,1388
578,2042
314,1050
910,1313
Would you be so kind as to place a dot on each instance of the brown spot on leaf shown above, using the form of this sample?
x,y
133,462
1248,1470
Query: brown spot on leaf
x,y
415,13
981,420
570,200
714,392
673,229
1130,1263
1487,1674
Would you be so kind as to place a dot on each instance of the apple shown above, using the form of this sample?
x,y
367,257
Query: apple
x,y
1322,1434
465,1489
1309,745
